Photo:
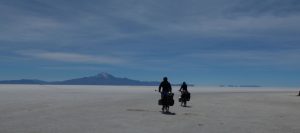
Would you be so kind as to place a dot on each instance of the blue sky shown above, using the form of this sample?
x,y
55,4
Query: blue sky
x,y
201,42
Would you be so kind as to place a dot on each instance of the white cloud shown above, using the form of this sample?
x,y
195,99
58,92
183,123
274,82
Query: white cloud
x,y
72,57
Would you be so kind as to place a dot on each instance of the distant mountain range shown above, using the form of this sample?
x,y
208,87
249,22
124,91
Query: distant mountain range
x,y
99,79
240,86
23,81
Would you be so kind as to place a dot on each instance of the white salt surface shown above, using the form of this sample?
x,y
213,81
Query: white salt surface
x,y
125,109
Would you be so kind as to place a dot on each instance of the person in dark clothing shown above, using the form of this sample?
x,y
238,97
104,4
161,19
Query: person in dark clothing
x,y
165,88
183,87
184,94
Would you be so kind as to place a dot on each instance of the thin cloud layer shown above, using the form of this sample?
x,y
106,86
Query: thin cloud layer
x,y
103,22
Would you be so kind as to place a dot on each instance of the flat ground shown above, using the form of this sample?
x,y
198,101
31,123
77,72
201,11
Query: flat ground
x,y
121,109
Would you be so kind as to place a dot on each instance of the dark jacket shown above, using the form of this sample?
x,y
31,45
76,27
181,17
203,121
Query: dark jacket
x,y
165,86
183,87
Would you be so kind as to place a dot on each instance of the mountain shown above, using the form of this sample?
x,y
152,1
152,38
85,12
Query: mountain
x,y
105,79
99,79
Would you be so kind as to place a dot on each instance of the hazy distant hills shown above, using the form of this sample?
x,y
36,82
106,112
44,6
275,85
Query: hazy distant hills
x,y
99,79
23,81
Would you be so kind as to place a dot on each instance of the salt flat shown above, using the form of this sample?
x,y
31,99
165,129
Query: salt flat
x,y
125,109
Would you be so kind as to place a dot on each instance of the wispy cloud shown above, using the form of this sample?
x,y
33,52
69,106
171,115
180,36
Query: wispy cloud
x,y
72,57
270,7
286,58
266,26
106,22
